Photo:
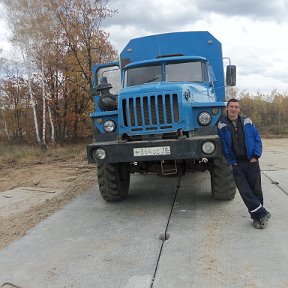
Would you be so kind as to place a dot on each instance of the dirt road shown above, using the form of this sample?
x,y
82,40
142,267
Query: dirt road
x,y
30,193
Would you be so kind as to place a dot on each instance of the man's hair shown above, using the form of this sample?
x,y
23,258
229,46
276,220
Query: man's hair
x,y
233,100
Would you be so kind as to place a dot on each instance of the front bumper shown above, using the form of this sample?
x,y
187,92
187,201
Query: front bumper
x,y
188,148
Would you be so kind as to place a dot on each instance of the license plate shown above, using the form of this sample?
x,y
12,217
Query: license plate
x,y
152,151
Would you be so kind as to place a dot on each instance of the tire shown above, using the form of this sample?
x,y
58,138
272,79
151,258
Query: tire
x,y
113,181
222,180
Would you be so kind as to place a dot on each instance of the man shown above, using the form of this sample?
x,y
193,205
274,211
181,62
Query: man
x,y
242,146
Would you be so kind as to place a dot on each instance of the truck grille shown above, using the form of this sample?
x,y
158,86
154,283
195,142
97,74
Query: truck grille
x,y
150,112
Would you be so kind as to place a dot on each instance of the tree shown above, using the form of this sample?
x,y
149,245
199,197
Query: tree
x,y
13,101
60,40
80,22
2,61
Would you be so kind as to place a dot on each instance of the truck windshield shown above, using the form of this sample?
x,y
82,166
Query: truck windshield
x,y
141,75
174,72
186,72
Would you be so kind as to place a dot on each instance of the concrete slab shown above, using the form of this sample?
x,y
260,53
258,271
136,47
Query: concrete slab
x,y
91,243
274,160
11,201
214,244
278,178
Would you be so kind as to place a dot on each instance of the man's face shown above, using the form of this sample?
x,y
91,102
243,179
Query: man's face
x,y
233,110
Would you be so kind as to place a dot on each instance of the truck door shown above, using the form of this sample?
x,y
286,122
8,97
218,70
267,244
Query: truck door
x,y
110,72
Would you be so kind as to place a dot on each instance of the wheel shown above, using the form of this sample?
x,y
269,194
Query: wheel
x,y
222,180
113,181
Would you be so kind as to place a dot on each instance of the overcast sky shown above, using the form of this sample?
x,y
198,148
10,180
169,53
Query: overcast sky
x,y
253,33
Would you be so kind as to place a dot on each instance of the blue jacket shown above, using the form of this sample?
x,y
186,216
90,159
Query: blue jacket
x,y
252,139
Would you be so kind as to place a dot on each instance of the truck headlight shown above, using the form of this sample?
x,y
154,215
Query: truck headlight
x,y
99,154
109,126
208,147
204,118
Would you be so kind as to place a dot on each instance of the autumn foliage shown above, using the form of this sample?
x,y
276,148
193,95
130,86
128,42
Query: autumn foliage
x,y
44,93
268,112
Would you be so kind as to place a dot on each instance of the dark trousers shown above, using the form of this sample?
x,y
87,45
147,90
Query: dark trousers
x,y
247,177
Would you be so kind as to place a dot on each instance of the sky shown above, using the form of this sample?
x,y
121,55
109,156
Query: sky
x,y
253,33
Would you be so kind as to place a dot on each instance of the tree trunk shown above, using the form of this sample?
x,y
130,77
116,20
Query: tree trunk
x,y
34,111
5,124
75,130
51,125
43,108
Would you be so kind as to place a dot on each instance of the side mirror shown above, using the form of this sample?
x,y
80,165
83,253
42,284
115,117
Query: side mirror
x,y
231,75
96,91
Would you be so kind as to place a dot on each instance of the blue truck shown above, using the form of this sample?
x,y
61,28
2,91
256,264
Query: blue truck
x,y
157,109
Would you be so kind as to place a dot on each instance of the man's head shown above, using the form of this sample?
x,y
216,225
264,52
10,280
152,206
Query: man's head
x,y
233,109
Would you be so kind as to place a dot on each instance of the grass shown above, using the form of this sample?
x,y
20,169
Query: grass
x,y
25,154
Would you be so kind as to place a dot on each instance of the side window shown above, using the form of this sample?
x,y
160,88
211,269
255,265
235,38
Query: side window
x,y
211,73
113,76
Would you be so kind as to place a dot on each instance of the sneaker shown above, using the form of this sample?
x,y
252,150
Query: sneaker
x,y
263,222
257,224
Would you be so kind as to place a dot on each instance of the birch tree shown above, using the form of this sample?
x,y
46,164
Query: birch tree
x,y
24,37
62,38
33,104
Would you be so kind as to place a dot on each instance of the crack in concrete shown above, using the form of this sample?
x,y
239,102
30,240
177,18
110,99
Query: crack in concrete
x,y
165,236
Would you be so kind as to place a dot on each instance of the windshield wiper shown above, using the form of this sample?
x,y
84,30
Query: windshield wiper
x,y
153,79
